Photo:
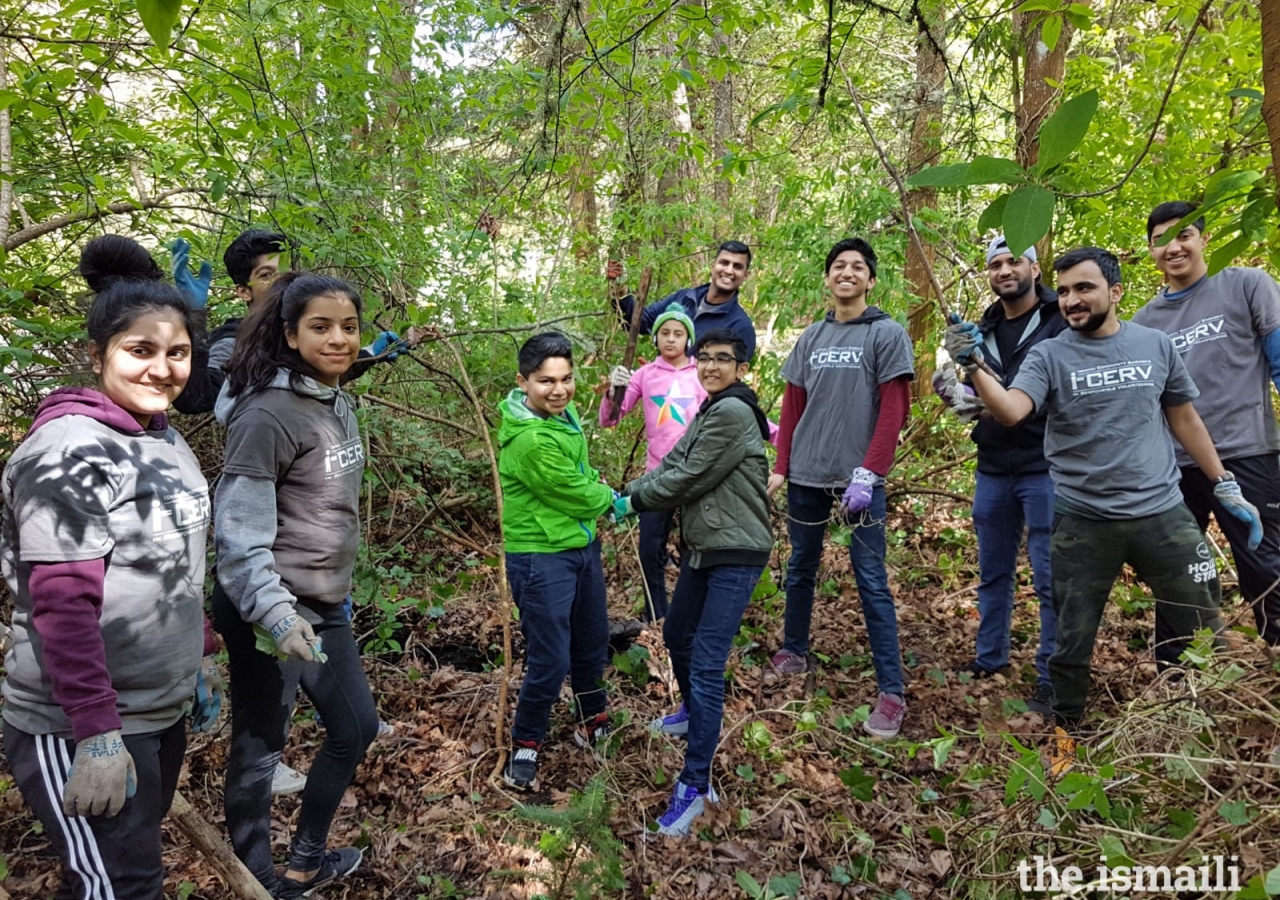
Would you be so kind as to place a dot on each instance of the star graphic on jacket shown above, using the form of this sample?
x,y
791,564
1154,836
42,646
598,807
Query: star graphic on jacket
x,y
672,405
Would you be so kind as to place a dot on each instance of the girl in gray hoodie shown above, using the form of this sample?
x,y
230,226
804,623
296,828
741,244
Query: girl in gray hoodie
x,y
287,527
102,543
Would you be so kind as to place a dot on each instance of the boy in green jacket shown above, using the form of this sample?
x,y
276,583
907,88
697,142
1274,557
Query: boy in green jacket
x,y
551,500
716,474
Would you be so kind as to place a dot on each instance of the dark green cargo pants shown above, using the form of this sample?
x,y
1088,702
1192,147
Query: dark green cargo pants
x,y
1168,553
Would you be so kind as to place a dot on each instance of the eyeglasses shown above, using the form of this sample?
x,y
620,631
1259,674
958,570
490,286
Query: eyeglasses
x,y
720,359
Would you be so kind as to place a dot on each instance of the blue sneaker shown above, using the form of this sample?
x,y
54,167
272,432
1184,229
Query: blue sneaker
x,y
675,723
687,803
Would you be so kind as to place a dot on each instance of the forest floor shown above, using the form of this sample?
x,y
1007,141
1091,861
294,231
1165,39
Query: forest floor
x,y
810,806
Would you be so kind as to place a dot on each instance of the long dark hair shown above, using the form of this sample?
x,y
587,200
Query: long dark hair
x,y
261,345
128,283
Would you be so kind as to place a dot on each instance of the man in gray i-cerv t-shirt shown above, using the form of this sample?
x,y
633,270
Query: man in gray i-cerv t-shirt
x,y
1108,389
1226,326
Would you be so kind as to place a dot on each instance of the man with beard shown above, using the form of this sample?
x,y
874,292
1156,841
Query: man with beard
x,y
1013,489
1107,389
1227,328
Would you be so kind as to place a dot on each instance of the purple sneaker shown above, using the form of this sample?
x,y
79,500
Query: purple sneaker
x,y
885,720
675,723
687,803
785,662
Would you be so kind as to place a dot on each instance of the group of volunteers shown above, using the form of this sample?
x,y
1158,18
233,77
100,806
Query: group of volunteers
x,y
1105,441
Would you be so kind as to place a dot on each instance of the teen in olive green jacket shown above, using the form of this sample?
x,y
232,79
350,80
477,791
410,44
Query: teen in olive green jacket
x,y
716,474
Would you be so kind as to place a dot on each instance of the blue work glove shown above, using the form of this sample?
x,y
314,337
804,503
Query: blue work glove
x,y
963,343
208,699
1228,494
196,287
384,342
857,496
347,606
621,508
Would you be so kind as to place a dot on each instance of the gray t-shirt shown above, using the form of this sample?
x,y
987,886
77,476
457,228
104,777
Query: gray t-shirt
x,y
76,490
1109,448
840,366
1218,328
309,447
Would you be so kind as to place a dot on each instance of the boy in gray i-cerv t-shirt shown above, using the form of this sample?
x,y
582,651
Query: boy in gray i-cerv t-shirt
x,y
1226,326
1108,389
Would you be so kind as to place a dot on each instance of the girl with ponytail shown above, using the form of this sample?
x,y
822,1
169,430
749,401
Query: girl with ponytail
x,y
102,543
287,527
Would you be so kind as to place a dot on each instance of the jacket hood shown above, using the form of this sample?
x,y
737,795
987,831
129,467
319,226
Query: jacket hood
x,y
740,391
76,401
870,314
516,417
285,380
994,314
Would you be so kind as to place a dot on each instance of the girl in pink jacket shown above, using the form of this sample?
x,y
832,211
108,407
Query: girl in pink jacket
x,y
671,394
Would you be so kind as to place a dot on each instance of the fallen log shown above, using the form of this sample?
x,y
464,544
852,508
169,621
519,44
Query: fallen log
x,y
215,851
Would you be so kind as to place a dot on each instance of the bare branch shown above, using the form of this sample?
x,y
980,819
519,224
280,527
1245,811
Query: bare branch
x,y
18,238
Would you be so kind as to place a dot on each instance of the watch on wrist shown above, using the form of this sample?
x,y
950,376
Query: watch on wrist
x,y
1224,478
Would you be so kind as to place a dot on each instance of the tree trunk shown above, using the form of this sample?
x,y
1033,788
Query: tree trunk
x,y
1271,82
926,129
1036,94
722,102
6,151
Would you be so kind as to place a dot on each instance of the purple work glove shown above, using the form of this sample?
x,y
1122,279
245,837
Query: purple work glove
x,y
857,496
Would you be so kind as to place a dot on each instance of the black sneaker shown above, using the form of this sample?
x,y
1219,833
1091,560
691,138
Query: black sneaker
x,y
335,865
1042,700
593,734
978,672
521,771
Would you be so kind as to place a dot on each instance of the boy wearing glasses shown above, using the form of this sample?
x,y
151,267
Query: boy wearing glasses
x,y
847,397
716,473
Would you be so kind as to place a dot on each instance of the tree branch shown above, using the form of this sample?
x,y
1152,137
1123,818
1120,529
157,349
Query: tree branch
x,y
18,238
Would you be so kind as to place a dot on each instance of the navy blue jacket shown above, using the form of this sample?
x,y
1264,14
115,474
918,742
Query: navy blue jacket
x,y
729,314
1018,450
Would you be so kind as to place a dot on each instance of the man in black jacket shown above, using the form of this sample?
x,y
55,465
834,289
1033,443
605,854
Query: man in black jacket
x,y
1013,488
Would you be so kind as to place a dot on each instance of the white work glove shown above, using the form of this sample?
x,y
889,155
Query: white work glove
x,y
620,377
6,640
294,638
102,777
962,399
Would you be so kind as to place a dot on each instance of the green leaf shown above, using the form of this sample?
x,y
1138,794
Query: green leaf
x,y
1028,215
1039,6
1047,819
159,17
1224,184
1255,889
1226,254
1254,219
995,170
1271,882
860,784
993,216
1051,31
1236,812
1246,93
1063,131
264,642
785,885
748,883
953,175
1113,851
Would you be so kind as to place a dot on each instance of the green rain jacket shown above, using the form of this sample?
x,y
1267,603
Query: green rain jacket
x,y
551,497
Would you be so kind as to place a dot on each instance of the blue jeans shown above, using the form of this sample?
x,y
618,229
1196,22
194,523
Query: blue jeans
x,y
808,509
655,528
1002,504
706,609
565,621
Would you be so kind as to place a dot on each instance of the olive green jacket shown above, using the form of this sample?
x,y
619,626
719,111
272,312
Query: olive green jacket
x,y
716,473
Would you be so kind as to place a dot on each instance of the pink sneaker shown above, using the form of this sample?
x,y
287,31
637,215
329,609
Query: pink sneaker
x,y
787,663
885,720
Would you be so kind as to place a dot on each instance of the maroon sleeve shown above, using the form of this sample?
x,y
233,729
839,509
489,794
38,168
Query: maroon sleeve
x,y
66,606
895,402
210,642
794,400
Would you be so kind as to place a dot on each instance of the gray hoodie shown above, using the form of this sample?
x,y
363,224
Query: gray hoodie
x,y
287,508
